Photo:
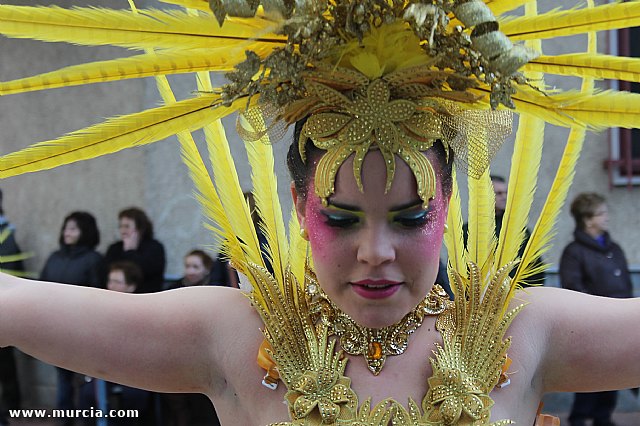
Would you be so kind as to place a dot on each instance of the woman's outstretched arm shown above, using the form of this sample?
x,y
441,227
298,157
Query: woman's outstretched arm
x,y
164,341
592,343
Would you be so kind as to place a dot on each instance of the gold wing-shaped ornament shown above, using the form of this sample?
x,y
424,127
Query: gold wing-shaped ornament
x,y
468,364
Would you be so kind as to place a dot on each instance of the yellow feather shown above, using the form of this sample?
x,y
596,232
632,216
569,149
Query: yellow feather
x,y
149,29
588,65
146,65
232,247
454,237
544,229
206,194
569,22
525,161
231,195
298,247
594,110
204,190
116,134
265,190
482,222
522,183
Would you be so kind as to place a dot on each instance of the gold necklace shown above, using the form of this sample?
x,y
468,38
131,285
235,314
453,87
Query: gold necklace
x,y
375,344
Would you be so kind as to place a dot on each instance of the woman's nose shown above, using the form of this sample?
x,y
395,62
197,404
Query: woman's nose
x,y
376,246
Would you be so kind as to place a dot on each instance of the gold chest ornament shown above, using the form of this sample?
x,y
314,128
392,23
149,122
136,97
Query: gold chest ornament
x,y
465,368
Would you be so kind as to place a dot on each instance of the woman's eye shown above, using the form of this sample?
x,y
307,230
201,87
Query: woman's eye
x,y
412,220
340,220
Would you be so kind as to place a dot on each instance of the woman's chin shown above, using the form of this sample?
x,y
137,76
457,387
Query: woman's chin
x,y
380,315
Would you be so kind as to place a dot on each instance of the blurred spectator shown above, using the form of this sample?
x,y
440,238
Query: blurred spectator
x,y
592,263
75,262
8,375
202,269
137,245
8,245
123,277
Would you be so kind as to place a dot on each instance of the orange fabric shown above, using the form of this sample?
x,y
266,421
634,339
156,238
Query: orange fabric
x,y
546,419
266,362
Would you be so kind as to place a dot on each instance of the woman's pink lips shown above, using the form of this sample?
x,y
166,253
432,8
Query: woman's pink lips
x,y
375,289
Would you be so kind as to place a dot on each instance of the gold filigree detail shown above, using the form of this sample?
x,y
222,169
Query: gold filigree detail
x,y
318,32
326,391
457,393
468,365
376,344
371,120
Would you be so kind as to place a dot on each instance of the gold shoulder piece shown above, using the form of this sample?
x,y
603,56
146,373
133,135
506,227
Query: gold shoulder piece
x,y
468,365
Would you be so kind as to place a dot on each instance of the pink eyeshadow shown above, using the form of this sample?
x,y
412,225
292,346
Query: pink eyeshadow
x,y
320,234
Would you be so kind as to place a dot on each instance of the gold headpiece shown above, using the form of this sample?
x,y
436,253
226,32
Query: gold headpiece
x,y
390,76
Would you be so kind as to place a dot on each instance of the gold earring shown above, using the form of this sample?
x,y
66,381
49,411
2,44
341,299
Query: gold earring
x,y
304,234
446,228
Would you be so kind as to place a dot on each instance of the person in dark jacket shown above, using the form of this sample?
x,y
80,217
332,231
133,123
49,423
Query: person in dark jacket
x,y
592,263
75,262
137,245
11,398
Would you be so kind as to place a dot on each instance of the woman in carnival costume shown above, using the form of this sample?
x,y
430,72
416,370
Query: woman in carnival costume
x,y
350,328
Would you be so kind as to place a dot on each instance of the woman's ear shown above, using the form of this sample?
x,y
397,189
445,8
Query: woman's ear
x,y
299,203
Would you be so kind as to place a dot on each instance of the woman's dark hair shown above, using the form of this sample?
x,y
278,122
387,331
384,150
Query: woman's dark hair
x,y
132,272
584,207
301,171
140,218
89,233
207,261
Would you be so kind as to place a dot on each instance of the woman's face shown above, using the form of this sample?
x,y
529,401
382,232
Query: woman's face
x,y
376,255
194,270
117,282
71,233
599,222
126,226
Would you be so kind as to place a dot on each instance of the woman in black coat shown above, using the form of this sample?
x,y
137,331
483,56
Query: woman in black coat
x,y
75,262
592,263
137,245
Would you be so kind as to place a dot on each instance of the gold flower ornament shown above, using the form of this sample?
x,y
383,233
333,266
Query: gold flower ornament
x,y
370,120
326,391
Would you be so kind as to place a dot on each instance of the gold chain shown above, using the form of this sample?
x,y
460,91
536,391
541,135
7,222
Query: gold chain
x,y
375,344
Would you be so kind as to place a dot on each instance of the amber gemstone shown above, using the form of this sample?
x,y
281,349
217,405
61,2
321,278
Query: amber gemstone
x,y
375,350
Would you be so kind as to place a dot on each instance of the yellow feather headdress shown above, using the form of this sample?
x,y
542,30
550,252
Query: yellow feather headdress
x,y
417,71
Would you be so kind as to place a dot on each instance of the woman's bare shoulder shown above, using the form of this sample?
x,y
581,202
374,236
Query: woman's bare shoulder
x,y
222,307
